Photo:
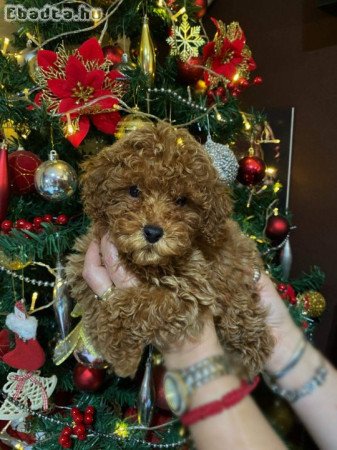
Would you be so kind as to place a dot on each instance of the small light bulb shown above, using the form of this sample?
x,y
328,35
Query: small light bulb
x,y
34,298
275,211
5,45
236,77
70,127
121,429
96,14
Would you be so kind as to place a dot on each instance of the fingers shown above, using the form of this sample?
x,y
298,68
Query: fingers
x,y
119,276
94,273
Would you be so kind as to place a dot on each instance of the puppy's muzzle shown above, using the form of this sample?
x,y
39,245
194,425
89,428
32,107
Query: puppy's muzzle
x,y
152,233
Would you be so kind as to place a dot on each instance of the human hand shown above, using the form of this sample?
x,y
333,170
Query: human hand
x,y
286,334
102,268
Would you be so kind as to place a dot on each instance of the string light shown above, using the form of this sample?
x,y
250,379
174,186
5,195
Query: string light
x,y
236,77
121,429
33,302
277,186
246,123
96,15
275,211
5,45
70,127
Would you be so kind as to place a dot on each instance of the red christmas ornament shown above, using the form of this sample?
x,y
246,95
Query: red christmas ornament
x,y
87,378
202,8
158,380
251,170
4,183
188,71
113,53
277,229
22,168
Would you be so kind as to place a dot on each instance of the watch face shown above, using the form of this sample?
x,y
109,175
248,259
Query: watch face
x,y
175,392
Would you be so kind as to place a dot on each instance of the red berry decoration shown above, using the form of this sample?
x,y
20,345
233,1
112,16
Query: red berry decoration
x,y
277,229
251,170
202,8
22,167
287,292
62,219
89,410
37,221
79,429
6,226
20,223
67,431
87,378
65,441
257,81
188,71
47,218
88,419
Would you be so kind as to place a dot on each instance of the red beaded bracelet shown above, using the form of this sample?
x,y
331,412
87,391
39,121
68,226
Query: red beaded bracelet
x,y
227,401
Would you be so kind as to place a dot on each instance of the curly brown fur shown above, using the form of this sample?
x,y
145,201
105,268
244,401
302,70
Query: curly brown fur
x,y
202,263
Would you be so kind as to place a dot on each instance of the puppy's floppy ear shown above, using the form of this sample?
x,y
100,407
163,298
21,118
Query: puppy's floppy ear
x,y
217,212
94,183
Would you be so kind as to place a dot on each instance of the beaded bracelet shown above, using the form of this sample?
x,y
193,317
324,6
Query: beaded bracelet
x,y
294,395
297,355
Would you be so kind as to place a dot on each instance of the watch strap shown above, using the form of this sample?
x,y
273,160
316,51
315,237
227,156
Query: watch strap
x,y
204,371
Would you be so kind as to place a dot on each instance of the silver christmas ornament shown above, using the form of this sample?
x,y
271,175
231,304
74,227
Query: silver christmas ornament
x,y
62,302
55,179
224,160
286,259
146,395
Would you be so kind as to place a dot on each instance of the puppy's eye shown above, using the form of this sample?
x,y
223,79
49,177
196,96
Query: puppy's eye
x,y
181,201
134,191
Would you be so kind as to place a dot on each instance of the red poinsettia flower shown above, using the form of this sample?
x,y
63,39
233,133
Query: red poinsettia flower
x,y
82,88
227,55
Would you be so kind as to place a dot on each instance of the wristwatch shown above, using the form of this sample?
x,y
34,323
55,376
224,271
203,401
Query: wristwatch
x,y
180,384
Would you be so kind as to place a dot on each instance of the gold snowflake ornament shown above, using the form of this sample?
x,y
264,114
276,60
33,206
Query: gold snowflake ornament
x,y
185,40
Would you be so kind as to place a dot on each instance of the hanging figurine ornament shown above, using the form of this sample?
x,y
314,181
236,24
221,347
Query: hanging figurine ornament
x,y
61,301
55,179
223,159
147,53
146,394
185,39
82,88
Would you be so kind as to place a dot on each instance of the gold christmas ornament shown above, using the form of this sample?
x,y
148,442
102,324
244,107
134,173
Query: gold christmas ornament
x,y
12,264
12,131
130,123
313,303
147,53
185,40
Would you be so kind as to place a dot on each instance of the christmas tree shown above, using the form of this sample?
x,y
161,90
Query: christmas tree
x,y
77,76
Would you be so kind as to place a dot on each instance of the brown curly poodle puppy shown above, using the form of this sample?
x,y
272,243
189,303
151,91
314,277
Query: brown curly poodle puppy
x,y
160,199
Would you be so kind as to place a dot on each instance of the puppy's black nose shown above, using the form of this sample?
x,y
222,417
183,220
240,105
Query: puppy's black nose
x,y
152,233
